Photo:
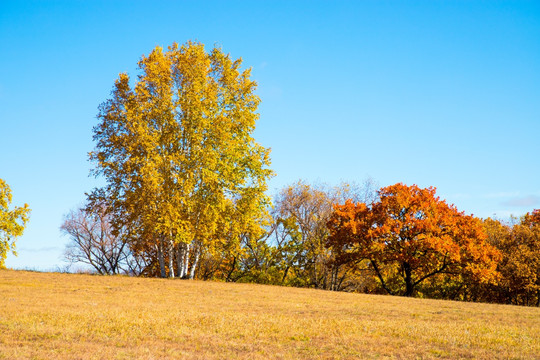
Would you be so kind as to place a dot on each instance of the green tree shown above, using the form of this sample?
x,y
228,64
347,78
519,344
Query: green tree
x,y
182,169
12,222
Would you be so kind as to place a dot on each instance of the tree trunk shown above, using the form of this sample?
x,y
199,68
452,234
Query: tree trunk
x,y
285,274
334,286
186,259
332,277
171,259
180,259
228,278
379,275
160,258
409,286
314,280
195,263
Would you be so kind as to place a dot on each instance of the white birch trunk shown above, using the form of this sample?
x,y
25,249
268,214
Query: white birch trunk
x,y
186,259
195,262
180,260
171,259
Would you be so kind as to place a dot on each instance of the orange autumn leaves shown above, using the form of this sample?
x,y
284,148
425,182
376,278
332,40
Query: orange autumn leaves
x,y
519,268
410,235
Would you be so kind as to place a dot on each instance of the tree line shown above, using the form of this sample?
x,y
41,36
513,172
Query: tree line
x,y
185,197
398,240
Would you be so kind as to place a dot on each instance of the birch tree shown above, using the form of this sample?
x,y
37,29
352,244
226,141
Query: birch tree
x,y
178,156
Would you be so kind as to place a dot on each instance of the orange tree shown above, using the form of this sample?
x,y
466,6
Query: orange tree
x,y
410,235
520,265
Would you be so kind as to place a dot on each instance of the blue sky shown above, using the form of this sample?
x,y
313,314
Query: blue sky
x,y
435,93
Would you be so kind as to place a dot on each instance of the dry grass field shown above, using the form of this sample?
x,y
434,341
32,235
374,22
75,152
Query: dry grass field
x,y
69,316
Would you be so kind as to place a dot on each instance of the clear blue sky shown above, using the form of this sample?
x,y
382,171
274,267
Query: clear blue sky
x,y
436,93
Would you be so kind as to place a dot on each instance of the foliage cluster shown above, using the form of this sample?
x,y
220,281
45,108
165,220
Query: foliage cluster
x,y
312,241
519,269
185,196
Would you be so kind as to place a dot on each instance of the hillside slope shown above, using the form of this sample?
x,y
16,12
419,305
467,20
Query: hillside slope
x,y
68,316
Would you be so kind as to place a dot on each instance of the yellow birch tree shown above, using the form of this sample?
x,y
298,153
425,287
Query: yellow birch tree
x,y
178,156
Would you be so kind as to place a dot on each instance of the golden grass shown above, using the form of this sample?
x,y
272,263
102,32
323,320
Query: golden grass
x,y
68,316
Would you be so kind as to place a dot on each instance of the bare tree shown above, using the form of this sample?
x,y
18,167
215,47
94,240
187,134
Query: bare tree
x,y
93,242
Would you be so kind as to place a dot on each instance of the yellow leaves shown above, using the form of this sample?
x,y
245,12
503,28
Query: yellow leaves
x,y
177,150
12,222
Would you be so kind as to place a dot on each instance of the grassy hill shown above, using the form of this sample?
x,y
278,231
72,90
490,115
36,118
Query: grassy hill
x,y
68,316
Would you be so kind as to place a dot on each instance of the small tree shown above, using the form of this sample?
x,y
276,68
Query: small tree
x,y
410,235
299,232
12,222
519,244
94,242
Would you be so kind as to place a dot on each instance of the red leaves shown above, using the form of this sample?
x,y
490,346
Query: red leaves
x,y
532,219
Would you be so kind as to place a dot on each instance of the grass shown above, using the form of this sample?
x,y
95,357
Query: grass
x,y
70,316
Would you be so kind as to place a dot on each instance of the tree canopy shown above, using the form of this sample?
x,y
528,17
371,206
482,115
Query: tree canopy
x,y
177,153
185,196
410,235
12,222
519,267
